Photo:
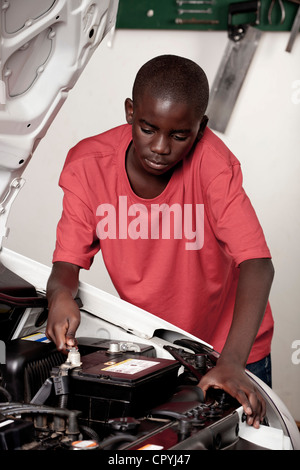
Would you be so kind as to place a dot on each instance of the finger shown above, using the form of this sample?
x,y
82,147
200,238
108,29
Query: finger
x,y
243,400
70,339
259,409
48,334
61,342
59,337
52,336
253,407
71,332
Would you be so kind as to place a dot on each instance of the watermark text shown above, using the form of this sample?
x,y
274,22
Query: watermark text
x,y
296,92
159,221
296,353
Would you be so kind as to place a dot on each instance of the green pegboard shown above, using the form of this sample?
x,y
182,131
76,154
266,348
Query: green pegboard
x,y
198,15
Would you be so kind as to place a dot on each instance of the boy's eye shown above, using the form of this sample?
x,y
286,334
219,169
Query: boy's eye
x,y
180,137
146,131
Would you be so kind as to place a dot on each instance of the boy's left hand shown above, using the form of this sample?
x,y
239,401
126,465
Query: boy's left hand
x,y
233,379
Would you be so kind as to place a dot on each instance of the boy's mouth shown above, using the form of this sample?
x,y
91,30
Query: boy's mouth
x,y
155,165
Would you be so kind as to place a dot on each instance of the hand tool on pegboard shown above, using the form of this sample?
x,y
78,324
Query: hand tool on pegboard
x,y
295,28
243,41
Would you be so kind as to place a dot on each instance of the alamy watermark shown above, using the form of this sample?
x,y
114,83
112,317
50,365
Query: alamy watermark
x,y
296,92
296,353
139,221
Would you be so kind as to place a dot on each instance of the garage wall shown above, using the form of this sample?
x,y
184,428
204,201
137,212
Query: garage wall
x,y
263,133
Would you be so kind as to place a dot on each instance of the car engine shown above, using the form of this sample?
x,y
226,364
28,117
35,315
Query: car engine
x,y
111,395
116,392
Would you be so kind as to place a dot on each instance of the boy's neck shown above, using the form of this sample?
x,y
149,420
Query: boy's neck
x,y
145,185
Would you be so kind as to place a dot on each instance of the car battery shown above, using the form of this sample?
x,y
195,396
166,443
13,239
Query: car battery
x,y
111,384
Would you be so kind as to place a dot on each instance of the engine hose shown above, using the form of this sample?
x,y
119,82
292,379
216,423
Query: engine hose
x,y
20,409
89,432
5,393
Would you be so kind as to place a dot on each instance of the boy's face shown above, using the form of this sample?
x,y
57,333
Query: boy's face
x,y
163,132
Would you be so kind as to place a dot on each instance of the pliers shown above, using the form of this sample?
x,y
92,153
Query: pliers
x,y
282,10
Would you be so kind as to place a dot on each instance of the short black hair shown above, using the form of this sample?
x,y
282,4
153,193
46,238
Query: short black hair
x,y
173,77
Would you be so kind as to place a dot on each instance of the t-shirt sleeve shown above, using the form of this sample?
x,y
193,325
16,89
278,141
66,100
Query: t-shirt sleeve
x,y
233,218
76,239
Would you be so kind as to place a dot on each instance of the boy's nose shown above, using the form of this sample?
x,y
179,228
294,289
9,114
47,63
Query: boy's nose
x,y
160,145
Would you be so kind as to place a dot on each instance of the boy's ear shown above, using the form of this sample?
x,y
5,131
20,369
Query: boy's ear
x,y
202,127
129,110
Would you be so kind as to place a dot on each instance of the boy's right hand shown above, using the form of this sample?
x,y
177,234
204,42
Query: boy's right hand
x,y
64,313
63,321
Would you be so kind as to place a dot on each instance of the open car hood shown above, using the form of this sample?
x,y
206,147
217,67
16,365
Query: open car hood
x,y
44,47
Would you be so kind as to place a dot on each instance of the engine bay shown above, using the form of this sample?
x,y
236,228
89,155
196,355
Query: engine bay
x,y
130,384
111,395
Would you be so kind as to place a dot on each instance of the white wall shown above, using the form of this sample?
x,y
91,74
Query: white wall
x,y
263,133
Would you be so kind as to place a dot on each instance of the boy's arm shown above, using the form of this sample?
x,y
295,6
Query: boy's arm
x,y
253,290
64,314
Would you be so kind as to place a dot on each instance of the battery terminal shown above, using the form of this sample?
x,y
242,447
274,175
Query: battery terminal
x,y
73,359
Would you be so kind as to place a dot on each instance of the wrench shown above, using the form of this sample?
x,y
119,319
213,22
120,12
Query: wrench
x,y
294,31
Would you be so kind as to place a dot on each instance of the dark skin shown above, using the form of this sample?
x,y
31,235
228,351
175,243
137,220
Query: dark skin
x,y
64,314
164,132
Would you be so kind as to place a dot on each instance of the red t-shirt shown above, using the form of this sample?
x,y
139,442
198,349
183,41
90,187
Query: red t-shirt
x,y
175,255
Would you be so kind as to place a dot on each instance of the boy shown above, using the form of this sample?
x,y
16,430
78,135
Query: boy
x,y
162,197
